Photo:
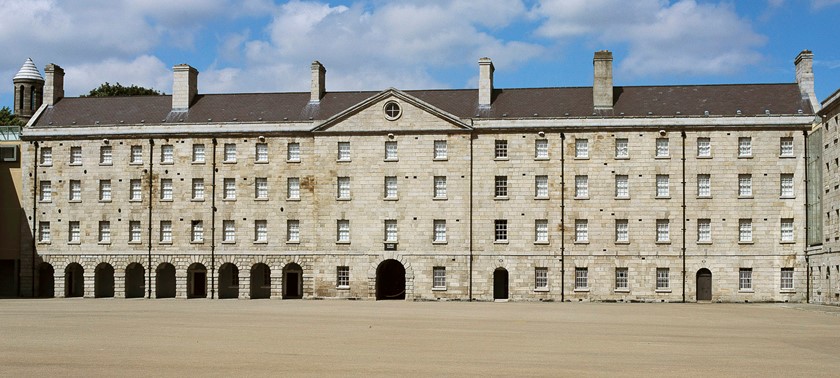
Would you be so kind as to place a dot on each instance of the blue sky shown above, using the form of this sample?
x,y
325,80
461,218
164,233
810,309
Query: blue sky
x,y
267,46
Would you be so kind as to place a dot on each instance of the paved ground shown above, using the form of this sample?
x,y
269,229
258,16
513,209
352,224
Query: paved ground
x,y
83,337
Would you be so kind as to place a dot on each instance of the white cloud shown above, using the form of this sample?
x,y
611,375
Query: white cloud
x,y
145,71
818,4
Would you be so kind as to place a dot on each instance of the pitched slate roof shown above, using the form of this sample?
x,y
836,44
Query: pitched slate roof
x,y
636,101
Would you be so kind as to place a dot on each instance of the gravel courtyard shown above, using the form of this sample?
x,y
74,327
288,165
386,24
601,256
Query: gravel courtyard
x,y
83,337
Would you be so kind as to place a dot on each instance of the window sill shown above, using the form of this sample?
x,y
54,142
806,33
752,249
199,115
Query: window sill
x,y
745,197
787,242
704,242
662,157
541,198
666,242
623,290
582,290
165,242
505,198
342,287
439,199
705,157
622,158
104,243
74,201
622,198
44,242
787,291
662,290
391,199
546,242
43,201
228,241
391,160
581,242
135,243
343,199
438,289
704,197
745,242
581,157
165,200
167,163
343,242
104,201
261,162
293,161
75,164
228,162
663,197
501,158
197,200
227,199
541,159
135,200
500,242
542,290
199,162
45,165
582,198
261,199
343,161
293,199
261,242
746,291
74,242
106,164
197,242
440,159
622,242
439,242
787,197
786,156
745,157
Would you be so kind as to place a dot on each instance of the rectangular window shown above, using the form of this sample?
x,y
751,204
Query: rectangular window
x,y
501,187
541,186
343,151
75,155
440,230
501,149
104,232
440,186
46,156
293,152
622,230
440,150
663,278
745,230
581,278
581,186
293,230
541,149
745,279
621,279
501,230
166,231
663,186
704,230
582,148
662,147
342,276
230,188
167,154
260,231
198,189
541,278
75,234
391,187
44,231
622,148
46,191
787,229
105,190
261,153
391,150
581,230
228,231
787,279
541,231
261,187
786,185
439,277
622,186
136,190
343,188
134,232
786,147
343,231
745,185
230,153
166,189
136,155
744,147
293,188
106,155
390,230
704,185
75,190
197,231
198,155
663,230
704,147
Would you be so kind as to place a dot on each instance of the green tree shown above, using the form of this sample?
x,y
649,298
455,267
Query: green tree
x,y
9,119
109,90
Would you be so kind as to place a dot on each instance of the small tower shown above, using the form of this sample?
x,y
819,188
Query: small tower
x,y
29,90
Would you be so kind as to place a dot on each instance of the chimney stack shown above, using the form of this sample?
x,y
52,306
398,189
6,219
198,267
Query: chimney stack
x,y
184,88
54,87
805,77
319,85
602,87
485,82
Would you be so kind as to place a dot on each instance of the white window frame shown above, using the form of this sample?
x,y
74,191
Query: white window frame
x,y
663,148
500,188
786,185
75,232
500,227
786,279
581,186
75,155
541,278
292,230
197,189
260,231
744,147
106,155
44,234
622,148
439,231
229,153
622,279
786,233
439,278
663,186
391,153
622,186
343,151
261,152
75,190
136,154
581,230
261,188
293,188
440,150
745,279
293,152
391,232
663,279
582,148
541,186
704,185
342,231
199,153
786,147
541,231
105,191
197,231
622,231
745,230
541,149
46,158
135,232
342,277
104,232
391,189
745,185
704,230
440,187
166,231
501,149
135,188
229,188
343,188
228,231
45,191
663,230
167,154
704,147
166,190
581,278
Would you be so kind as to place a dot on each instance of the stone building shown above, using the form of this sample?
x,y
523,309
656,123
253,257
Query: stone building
x,y
602,193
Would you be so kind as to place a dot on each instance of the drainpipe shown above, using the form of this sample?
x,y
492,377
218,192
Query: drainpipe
x,y
562,217
213,227
34,218
151,200
472,173
682,135
807,201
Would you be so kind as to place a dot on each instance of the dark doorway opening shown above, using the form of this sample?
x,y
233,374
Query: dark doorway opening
x,y
196,281
103,281
135,281
704,285
165,281
8,278
74,281
500,283
46,281
292,281
260,281
390,280
228,281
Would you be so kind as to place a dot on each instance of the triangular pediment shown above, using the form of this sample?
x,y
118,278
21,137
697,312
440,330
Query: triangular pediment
x,y
392,110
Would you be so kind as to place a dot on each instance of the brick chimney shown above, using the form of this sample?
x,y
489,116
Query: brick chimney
x,y
602,87
805,77
319,85
184,88
485,82
54,86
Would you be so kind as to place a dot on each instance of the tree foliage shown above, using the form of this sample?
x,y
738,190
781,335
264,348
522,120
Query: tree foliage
x,y
9,119
109,90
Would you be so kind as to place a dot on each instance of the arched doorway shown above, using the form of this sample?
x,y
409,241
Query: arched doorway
x,y
135,281
74,281
165,281
46,280
228,281
197,281
103,281
260,281
704,285
292,281
390,280
500,283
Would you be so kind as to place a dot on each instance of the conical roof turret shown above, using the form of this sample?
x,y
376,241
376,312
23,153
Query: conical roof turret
x,y
28,72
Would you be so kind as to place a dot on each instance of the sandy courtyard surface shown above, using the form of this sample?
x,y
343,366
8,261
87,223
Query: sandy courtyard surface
x,y
117,337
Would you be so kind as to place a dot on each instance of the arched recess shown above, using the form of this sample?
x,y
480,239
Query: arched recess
x,y
103,281
260,281
165,281
228,281
500,284
704,285
46,280
292,281
390,280
197,281
74,281
135,281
